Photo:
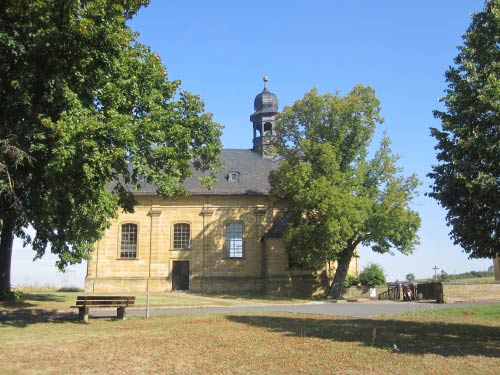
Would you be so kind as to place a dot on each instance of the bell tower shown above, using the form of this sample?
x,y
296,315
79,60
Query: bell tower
x,y
266,108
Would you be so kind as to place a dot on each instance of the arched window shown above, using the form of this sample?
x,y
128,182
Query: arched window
x,y
268,128
182,236
128,246
234,240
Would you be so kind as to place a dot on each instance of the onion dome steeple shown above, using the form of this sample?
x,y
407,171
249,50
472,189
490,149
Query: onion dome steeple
x,y
266,108
266,101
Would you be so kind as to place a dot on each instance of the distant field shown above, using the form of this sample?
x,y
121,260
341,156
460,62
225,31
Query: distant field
x,y
473,280
469,280
453,341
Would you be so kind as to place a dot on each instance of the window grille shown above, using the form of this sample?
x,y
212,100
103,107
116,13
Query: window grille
x,y
182,236
233,177
128,248
234,240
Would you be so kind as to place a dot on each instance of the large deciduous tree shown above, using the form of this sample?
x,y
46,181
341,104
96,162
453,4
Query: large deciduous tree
x,y
338,196
467,177
86,112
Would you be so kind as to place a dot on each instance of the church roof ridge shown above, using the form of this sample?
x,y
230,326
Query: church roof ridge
x,y
252,176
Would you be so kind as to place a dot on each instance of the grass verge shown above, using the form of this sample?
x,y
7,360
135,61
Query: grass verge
x,y
51,300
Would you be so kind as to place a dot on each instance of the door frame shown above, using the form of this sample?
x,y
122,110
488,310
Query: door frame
x,y
188,275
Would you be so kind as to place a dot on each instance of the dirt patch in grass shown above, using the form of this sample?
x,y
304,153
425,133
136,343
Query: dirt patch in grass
x,y
457,341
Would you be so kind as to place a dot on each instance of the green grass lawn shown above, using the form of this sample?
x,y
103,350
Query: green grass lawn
x,y
453,341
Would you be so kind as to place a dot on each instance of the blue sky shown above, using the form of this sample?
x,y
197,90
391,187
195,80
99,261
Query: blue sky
x,y
222,49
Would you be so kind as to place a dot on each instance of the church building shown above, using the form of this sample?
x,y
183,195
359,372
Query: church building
x,y
227,239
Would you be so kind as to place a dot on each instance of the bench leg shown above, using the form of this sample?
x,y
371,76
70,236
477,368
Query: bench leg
x,y
121,313
83,314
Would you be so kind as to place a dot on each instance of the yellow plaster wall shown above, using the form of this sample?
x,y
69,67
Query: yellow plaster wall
x,y
264,267
207,217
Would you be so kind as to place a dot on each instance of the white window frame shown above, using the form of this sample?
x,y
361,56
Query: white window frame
x,y
128,241
233,177
234,240
179,244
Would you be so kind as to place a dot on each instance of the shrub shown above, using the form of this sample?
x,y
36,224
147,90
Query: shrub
x,y
13,295
372,275
70,289
443,276
350,280
410,277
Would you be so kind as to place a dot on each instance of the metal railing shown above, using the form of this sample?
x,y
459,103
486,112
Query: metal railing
x,y
412,292
392,293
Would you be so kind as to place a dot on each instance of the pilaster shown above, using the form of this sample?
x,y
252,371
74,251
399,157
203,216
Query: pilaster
x,y
155,268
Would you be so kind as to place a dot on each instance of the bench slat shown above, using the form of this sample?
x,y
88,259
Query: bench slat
x,y
115,305
96,304
107,298
105,301
96,301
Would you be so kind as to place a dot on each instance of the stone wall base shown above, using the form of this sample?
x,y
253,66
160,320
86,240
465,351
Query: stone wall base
x,y
123,284
304,286
227,284
356,292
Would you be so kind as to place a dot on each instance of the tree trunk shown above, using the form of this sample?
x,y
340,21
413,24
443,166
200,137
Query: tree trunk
x,y
343,263
6,242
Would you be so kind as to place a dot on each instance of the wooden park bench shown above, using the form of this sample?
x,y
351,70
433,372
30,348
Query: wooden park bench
x,y
83,303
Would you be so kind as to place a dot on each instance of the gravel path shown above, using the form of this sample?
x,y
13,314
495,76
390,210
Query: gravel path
x,y
352,309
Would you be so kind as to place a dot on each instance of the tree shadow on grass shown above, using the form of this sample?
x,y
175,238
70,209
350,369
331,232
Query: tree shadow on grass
x,y
26,298
418,338
21,318
49,297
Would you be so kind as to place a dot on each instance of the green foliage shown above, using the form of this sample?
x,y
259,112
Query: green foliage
x,y
338,197
351,280
410,277
443,276
90,106
11,295
372,275
68,289
466,180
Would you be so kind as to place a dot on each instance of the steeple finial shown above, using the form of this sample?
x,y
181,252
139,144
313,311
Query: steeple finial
x,y
265,79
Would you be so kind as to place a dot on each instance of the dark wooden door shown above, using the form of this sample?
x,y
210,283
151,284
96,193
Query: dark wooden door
x,y
180,275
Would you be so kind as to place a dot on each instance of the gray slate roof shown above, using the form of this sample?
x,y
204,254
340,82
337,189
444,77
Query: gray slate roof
x,y
279,227
253,171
